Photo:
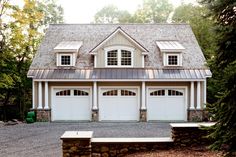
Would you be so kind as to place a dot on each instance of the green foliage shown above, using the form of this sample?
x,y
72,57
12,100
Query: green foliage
x,y
21,34
224,75
111,14
151,11
202,25
52,13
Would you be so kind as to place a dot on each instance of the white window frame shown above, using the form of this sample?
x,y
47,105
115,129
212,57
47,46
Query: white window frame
x,y
65,54
179,59
119,48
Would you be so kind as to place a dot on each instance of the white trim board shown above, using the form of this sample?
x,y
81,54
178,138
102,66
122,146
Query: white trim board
x,y
119,80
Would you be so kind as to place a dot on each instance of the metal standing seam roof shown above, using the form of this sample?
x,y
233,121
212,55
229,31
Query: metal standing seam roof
x,y
68,45
129,74
169,45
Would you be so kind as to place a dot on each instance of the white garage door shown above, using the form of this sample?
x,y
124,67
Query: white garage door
x,y
118,104
71,104
166,104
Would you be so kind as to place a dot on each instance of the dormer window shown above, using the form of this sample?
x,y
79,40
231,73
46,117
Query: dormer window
x,y
126,58
67,52
171,52
112,58
173,60
119,56
65,59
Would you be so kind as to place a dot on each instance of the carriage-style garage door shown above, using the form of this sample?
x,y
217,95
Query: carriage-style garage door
x,y
71,104
118,104
166,104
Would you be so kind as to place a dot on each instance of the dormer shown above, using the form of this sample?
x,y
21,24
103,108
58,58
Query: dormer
x,y
119,50
67,52
171,52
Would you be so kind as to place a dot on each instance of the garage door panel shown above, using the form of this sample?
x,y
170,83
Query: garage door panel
x,y
118,104
71,104
166,104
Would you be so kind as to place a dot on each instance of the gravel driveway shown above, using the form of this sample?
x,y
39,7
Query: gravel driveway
x,y
43,139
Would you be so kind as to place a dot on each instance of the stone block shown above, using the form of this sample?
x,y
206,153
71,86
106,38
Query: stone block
x,y
124,150
96,155
104,149
105,155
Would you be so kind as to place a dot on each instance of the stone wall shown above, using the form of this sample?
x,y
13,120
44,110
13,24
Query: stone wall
x,y
190,134
122,149
43,115
73,147
81,143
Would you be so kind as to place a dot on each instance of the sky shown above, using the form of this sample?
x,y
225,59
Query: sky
x,y
83,11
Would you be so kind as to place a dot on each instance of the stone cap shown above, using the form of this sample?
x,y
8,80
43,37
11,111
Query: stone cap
x,y
77,135
133,140
184,125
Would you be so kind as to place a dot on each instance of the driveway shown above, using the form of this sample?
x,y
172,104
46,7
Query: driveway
x,y
43,139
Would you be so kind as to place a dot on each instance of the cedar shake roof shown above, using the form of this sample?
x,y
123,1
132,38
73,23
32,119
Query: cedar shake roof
x,y
145,34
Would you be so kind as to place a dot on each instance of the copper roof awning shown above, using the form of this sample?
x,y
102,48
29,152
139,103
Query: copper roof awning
x,y
113,74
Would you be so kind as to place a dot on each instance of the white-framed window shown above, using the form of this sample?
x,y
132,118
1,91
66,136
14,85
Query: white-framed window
x,y
65,59
126,58
119,56
112,58
173,59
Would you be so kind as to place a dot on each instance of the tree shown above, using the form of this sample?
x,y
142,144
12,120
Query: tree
x,y
52,13
111,14
153,11
202,25
22,35
224,75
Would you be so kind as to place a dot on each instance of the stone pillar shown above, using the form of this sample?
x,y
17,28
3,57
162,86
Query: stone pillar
x,y
143,115
46,96
43,115
95,115
40,106
77,143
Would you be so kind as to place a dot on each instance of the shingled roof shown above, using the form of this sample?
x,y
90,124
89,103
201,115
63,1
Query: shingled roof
x,y
145,34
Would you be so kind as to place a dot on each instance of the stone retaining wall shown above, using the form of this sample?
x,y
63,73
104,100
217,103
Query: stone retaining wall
x,y
190,134
122,149
81,143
